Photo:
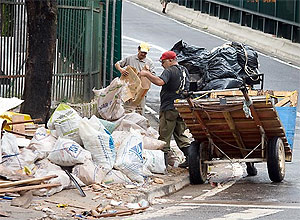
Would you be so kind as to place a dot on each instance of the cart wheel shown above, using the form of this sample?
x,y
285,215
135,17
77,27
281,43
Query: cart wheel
x,y
276,159
197,169
251,170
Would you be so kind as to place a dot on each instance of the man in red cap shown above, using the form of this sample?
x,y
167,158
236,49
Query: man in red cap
x,y
170,122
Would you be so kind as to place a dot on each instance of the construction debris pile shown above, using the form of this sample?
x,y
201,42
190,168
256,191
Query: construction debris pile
x,y
90,154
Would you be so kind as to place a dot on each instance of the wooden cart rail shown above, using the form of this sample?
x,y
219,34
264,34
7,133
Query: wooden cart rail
x,y
224,120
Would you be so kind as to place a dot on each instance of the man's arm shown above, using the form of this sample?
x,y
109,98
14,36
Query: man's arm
x,y
120,69
154,79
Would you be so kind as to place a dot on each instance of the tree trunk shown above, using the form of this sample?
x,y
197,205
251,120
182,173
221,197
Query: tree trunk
x,y
41,39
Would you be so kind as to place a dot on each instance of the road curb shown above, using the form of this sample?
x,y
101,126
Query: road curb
x,y
163,190
266,43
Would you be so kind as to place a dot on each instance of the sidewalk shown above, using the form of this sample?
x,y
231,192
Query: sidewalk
x,y
266,43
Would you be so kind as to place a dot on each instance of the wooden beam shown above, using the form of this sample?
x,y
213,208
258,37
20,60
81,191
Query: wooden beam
x,y
235,132
25,188
27,181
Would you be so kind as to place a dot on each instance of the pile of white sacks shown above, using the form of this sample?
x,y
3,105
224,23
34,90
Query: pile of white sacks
x,y
125,151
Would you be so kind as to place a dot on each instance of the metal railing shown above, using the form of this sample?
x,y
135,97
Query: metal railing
x,y
278,17
81,62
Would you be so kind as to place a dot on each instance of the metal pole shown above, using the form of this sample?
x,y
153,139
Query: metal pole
x,y
105,43
112,47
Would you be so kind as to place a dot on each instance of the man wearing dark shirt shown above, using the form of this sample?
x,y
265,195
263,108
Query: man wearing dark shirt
x,y
170,122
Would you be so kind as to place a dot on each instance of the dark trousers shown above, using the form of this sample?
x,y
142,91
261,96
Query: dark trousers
x,y
170,123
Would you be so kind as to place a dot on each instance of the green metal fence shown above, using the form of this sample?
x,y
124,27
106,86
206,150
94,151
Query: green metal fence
x,y
278,17
88,43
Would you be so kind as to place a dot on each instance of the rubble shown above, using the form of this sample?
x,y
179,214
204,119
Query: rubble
x,y
116,177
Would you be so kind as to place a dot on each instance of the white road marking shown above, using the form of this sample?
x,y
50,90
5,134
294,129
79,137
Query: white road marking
x,y
248,214
151,45
214,191
163,212
242,206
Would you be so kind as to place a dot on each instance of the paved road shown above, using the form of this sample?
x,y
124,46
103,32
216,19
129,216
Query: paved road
x,y
239,198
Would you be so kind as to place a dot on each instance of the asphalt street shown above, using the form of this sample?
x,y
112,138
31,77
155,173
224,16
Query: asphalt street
x,y
247,197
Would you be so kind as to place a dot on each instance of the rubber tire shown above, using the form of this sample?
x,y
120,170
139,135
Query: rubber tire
x,y
251,169
197,169
276,159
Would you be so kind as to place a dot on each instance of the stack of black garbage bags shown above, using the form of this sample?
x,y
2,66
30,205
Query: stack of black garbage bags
x,y
225,67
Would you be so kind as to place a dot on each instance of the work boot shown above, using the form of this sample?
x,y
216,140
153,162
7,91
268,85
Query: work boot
x,y
185,151
166,159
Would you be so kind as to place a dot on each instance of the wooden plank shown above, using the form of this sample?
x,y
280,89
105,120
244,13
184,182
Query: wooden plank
x,y
18,128
27,181
25,188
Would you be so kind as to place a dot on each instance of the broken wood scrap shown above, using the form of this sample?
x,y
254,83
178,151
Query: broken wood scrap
x,y
74,206
27,181
125,212
25,121
24,188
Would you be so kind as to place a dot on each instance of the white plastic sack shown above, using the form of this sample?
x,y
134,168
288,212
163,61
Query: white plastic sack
x,y
62,178
17,162
175,155
99,142
150,143
154,161
116,176
130,158
137,119
89,173
65,121
46,168
68,153
42,143
9,144
110,104
125,125
119,137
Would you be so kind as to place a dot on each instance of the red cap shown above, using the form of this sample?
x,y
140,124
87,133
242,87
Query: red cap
x,y
168,55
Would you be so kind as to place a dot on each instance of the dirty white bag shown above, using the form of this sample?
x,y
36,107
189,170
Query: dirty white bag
x,y
65,121
42,143
99,142
68,153
137,119
116,176
9,144
126,125
89,173
130,158
119,137
18,161
154,161
110,103
46,168
150,143
62,178
175,155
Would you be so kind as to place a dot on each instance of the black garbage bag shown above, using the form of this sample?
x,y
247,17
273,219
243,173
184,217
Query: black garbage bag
x,y
194,58
226,83
222,64
246,53
248,60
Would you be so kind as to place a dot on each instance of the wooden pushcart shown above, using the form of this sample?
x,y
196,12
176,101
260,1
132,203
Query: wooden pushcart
x,y
235,126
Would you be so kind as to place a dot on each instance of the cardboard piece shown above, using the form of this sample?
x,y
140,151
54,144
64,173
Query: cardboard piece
x,y
138,86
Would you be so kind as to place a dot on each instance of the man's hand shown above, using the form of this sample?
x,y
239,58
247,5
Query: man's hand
x,y
144,73
123,72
